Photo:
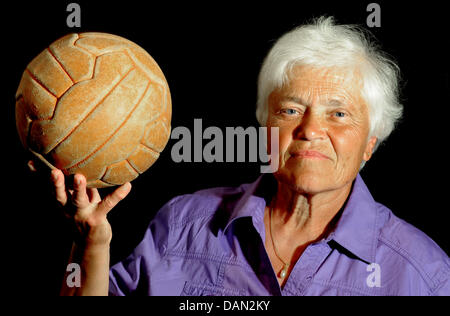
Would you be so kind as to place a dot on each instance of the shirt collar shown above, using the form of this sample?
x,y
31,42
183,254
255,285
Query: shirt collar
x,y
356,229
252,203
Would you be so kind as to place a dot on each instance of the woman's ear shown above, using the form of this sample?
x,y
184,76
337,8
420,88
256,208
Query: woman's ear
x,y
369,148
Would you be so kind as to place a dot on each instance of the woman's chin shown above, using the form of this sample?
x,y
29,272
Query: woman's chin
x,y
304,180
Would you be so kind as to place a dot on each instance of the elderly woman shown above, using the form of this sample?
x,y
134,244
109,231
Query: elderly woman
x,y
310,228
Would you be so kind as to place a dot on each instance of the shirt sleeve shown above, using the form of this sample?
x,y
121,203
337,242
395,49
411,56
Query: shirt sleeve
x,y
133,274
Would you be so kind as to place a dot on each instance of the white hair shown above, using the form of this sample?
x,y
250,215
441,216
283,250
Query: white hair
x,y
325,44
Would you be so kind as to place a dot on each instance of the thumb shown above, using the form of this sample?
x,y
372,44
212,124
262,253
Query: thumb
x,y
111,200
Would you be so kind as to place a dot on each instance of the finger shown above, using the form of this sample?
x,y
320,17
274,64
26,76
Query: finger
x,y
35,164
94,196
112,199
31,166
80,198
59,186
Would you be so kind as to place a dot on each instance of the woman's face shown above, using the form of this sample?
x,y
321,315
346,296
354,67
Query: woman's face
x,y
323,129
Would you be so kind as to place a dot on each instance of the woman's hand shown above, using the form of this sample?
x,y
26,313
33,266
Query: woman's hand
x,y
85,208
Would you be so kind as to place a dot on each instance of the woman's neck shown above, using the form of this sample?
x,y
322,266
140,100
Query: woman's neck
x,y
305,217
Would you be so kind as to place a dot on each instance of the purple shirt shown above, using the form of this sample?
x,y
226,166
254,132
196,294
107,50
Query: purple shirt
x,y
212,243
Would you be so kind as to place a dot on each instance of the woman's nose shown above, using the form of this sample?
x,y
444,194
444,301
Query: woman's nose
x,y
310,128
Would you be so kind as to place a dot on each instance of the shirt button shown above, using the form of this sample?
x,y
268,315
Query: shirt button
x,y
309,278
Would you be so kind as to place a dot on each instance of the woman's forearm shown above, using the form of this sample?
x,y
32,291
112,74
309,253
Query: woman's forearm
x,y
93,261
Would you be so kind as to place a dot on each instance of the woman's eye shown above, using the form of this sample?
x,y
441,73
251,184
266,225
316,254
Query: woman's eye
x,y
290,111
339,114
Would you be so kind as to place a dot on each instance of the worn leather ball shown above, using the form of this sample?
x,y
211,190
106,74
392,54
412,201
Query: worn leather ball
x,y
95,104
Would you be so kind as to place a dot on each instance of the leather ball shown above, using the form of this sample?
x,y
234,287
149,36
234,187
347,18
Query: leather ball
x,y
95,104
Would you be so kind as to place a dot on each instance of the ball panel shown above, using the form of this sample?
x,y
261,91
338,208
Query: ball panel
x,y
154,103
79,101
144,61
98,184
77,62
104,35
47,70
143,158
157,134
39,102
100,43
120,173
101,125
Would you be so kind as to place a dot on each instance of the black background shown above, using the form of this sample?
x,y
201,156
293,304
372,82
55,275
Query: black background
x,y
211,53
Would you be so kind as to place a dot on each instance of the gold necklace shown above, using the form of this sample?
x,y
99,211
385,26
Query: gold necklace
x,y
283,272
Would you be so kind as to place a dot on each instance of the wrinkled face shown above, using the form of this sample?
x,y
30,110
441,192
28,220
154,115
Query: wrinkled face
x,y
323,128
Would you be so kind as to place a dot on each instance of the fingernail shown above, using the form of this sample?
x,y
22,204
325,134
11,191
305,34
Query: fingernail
x,y
77,180
31,166
54,176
